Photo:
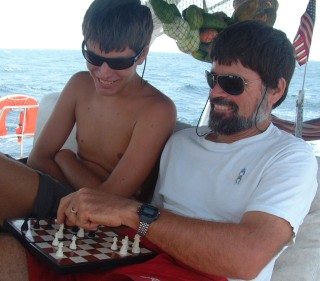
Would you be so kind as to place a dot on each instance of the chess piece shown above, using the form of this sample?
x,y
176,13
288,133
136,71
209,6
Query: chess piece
x,y
60,231
92,234
37,224
124,248
55,242
49,224
80,233
75,229
114,245
59,252
135,245
127,239
73,245
24,226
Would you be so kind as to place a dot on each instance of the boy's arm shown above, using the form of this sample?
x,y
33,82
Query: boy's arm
x,y
77,174
55,132
149,136
148,139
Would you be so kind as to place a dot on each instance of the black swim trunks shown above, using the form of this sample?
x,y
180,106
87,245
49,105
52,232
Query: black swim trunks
x,y
49,195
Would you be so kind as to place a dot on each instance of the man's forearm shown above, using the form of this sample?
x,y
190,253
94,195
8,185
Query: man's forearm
x,y
194,243
230,250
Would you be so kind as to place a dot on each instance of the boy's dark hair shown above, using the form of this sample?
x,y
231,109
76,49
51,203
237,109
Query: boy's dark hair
x,y
118,24
260,47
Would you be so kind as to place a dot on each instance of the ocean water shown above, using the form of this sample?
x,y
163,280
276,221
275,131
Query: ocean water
x,y
39,72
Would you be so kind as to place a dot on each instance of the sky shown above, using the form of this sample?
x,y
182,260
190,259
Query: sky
x,y
44,24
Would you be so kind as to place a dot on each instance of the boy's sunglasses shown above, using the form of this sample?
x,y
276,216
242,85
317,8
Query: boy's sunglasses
x,y
231,84
114,63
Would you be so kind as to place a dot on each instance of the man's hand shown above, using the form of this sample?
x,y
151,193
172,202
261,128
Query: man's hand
x,y
89,208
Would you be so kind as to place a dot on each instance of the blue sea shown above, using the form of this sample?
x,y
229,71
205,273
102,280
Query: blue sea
x,y
181,77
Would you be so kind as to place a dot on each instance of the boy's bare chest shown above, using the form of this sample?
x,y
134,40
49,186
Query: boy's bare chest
x,y
104,135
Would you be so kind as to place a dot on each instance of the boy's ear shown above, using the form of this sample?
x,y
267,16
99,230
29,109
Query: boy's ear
x,y
278,92
143,55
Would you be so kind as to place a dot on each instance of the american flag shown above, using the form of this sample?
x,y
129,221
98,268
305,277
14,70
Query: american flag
x,y
302,41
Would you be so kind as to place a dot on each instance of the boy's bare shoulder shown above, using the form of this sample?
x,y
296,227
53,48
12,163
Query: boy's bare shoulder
x,y
159,106
160,101
79,82
81,77
157,96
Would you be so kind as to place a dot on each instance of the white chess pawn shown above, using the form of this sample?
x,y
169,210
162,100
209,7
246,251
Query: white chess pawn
x,y
137,237
73,245
60,232
55,242
127,239
135,245
80,233
59,252
114,245
124,248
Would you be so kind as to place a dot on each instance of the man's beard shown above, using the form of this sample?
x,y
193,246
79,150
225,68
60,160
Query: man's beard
x,y
220,124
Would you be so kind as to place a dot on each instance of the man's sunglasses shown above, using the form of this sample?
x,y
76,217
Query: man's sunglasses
x,y
231,84
114,63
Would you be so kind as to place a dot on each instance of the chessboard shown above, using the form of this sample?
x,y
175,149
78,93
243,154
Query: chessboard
x,y
93,251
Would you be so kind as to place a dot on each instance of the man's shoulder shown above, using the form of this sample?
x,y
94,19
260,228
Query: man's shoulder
x,y
286,139
184,132
286,146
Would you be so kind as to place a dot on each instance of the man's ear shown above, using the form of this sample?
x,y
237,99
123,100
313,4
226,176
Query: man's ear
x,y
276,93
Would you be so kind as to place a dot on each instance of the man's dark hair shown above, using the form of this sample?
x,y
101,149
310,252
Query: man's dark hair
x,y
257,46
118,24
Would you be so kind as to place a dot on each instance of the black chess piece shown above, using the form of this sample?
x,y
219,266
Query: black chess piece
x,y
37,224
25,226
92,234
75,229
49,224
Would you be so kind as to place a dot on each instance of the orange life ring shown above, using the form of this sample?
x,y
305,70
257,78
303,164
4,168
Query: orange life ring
x,y
28,115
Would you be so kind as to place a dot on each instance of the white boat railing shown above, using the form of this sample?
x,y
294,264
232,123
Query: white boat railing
x,y
22,134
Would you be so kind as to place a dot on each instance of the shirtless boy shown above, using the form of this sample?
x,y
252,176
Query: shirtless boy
x,y
122,121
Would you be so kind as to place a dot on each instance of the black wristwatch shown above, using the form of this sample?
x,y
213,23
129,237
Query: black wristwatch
x,y
147,214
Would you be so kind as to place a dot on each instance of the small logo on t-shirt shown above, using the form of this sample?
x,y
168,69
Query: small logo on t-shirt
x,y
241,174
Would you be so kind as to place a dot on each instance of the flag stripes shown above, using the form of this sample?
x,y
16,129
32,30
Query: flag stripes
x,y
302,41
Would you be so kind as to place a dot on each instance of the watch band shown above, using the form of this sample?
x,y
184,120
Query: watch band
x,y
147,215
143,228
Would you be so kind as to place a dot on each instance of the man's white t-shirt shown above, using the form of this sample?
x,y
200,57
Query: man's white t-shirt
x,y
273,172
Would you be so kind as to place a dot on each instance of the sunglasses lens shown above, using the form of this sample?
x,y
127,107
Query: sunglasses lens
x,y
92,58
210,79
119,64
231,84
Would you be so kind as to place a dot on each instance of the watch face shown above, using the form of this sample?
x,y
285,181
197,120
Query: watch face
x,y
148,213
